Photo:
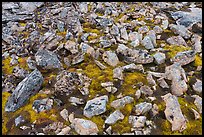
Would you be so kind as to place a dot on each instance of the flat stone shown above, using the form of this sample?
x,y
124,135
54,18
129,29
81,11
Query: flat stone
x,y
176,40
198,102
119,103
114,117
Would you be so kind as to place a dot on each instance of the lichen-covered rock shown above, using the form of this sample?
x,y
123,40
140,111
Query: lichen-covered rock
x,y
198,86
114,117
84,127
137,121
159,58
47,59
176,40
24,90
43,104
173,113
184,57
95,106
143,108
180,30
110,58
119,103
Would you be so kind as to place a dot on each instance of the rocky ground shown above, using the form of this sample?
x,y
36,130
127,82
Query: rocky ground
x,y
101,68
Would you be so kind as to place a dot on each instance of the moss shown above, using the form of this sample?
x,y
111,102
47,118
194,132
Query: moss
x,y
6,67
92,38
127,109
131,79
63,33
99,121
23,63
90,30
122,126
174,49
23,24
198,60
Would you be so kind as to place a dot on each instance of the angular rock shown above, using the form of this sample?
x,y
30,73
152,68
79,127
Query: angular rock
x,y
71,46
198,102
135,38
118,73
150,80
64,114
147,42
19,120
162,83
42,105
138,94
85,48
114,117
165,24
159,58
76,100
107,84
196,114
137,121
31,63
100,65
143,29
173,113
119,103
176,40
157,29
143,108
20,72
198,86
24,90
123,33
78,59
146,90
110,58
181,30
184,57
47,59
95,106
84,127
64,131
132,67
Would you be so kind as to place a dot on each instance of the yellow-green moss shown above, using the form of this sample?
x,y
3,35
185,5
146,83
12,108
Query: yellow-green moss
x,y
92,38
23,63
4,99
99,122
198,60
174,49
6,67
122,126
131,79
90,30
22,24
63,33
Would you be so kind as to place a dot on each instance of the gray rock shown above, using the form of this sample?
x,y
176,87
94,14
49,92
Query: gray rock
x,y
75,100
83,7
43,104
84,127
20,72
196,41
123,33
24,90
31,63
60,26
107,84
118,73
100,65
135,38
111,89
138,94
198,86
159,58
119,103
162,83
78,59
196,114
157,29
19,120
132,67
137,121
173,113
177,74
71,46
146,90
198,102
147,42
64,131
47,59
114,117
110,58
143,108
64,114
150,80
155,110
95,106
176,40
85,48
184,57
115,31
165,24
143,29
181,30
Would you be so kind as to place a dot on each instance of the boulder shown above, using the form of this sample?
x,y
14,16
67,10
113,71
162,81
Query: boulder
x,y
24,90
173,113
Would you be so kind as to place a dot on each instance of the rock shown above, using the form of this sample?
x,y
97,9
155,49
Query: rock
x,y
64,114
196,114
20,72
83,7
60,26
24,90
78,59
132,67
123,33
19,120
147,42
157,29
95,106
107,84
150,80
55,126
176,40
111,89
155,110
197,28
198,102
85,48
146,90
30,7
177,74
114,117
105,43
31,63
165,24
156,74
118,73
64,131
76,101
135,38
143,29
159,58
162,83
196,41
119,103
84,127
137,121
173,113
42,105
100,65
198,86
67,61
71,46
115,31
143,108
138,94
110,58
47,59
181,30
